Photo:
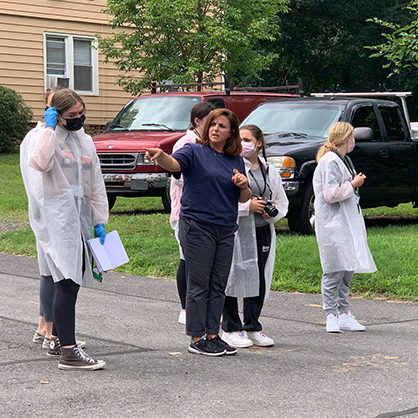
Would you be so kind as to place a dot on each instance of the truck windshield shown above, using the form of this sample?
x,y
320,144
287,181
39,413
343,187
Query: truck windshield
x,y
313,119
155,113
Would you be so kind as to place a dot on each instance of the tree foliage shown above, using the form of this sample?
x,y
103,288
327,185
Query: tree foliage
x,y
189,41
322,42
400,48
15,116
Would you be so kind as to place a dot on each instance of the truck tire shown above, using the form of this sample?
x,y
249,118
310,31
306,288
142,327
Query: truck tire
x,y
166,199
303,220
111,200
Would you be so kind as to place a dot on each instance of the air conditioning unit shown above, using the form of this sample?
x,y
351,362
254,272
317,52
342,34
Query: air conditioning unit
x,y
55,81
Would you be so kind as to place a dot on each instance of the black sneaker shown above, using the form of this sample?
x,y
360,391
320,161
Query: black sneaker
x,y
221,343
206,347
74,358
54,349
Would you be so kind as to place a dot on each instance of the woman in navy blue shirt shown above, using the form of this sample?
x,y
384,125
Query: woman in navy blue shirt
x,y
214,183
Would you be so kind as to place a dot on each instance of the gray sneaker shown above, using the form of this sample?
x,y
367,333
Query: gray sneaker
x,y
38,338
74,358
54,349
46,342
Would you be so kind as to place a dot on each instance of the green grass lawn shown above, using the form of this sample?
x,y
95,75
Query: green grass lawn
x,y
153,250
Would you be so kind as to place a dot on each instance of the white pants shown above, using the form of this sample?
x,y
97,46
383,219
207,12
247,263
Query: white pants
x,y
335,290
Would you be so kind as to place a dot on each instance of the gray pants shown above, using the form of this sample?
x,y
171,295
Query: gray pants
x,y
335,290
208,252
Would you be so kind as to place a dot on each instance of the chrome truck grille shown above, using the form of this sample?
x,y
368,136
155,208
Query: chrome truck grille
x,y
118,161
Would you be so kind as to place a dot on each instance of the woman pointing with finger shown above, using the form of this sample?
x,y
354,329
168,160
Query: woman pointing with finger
x,y
214,183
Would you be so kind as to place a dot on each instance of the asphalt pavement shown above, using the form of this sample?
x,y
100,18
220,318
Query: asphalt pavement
x,y
131,323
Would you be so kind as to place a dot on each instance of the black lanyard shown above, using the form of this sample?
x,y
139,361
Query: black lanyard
x,y
350,167
348,163
264,178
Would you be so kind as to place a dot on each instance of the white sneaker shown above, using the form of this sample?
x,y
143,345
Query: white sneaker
x,y
260,339
348,322
237,339
81,344
182,317
332,323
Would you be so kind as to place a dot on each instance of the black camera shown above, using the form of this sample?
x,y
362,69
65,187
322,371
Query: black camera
x,y
270,209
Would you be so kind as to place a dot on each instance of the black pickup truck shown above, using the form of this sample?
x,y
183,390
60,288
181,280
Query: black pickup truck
x,y
385,152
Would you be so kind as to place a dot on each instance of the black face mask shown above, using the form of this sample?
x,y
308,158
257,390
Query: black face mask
x,y
74,124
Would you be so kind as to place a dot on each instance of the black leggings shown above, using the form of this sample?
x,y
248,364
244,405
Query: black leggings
x,y
182,283
46,297
63,310
252,306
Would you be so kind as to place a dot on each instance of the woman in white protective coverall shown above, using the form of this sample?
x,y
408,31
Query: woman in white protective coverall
x,y
255,245
198,116
339,226
67,196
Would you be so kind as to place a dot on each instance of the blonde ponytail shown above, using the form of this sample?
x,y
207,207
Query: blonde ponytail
x,y
337,135
327,147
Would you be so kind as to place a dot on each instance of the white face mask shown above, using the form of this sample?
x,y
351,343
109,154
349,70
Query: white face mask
x,y
248,149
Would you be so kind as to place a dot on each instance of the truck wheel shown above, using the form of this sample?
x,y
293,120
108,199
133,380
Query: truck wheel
x,y
303,220
111,200
166,199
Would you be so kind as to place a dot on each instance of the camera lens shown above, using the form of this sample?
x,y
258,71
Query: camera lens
x,y
271,210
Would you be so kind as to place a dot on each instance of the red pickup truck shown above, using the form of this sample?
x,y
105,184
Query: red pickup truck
x,y
157,120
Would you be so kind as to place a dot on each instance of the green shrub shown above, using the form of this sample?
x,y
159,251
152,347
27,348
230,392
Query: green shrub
x,y
15,116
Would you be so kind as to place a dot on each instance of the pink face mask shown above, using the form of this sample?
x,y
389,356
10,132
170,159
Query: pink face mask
x,y
248,149
351,145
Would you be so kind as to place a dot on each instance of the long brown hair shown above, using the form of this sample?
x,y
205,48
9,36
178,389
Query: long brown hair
x,y
64,99
258,135
233,143
337,135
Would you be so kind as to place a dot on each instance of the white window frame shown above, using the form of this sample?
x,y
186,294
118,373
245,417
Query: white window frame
x,y
69,56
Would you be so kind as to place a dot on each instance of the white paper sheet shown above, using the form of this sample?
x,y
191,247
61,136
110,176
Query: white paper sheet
x,y
111,254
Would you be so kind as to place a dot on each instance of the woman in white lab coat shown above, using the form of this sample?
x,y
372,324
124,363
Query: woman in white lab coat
x,y
339,226
66,196
255,245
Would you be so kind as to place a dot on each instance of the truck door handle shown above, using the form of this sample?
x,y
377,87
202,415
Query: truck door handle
x,y
384,153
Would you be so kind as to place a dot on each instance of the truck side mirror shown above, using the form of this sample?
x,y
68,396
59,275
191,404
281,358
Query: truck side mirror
x,y
363,134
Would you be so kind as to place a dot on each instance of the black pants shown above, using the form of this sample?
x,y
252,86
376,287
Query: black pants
x,y
208,252
252,306
182,283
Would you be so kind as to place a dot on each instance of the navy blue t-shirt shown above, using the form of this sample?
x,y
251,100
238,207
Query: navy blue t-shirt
x,y
209,195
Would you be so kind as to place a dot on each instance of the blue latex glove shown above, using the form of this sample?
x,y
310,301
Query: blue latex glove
x,y
100,232
51,116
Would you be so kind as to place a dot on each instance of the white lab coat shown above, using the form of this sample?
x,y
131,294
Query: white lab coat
x,y
243,280
339,223
66,196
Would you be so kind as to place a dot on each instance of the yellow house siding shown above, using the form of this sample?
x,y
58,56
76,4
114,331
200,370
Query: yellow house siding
x,y
22,51
81,10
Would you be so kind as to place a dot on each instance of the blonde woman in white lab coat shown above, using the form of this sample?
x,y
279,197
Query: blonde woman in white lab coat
x,y
339,226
